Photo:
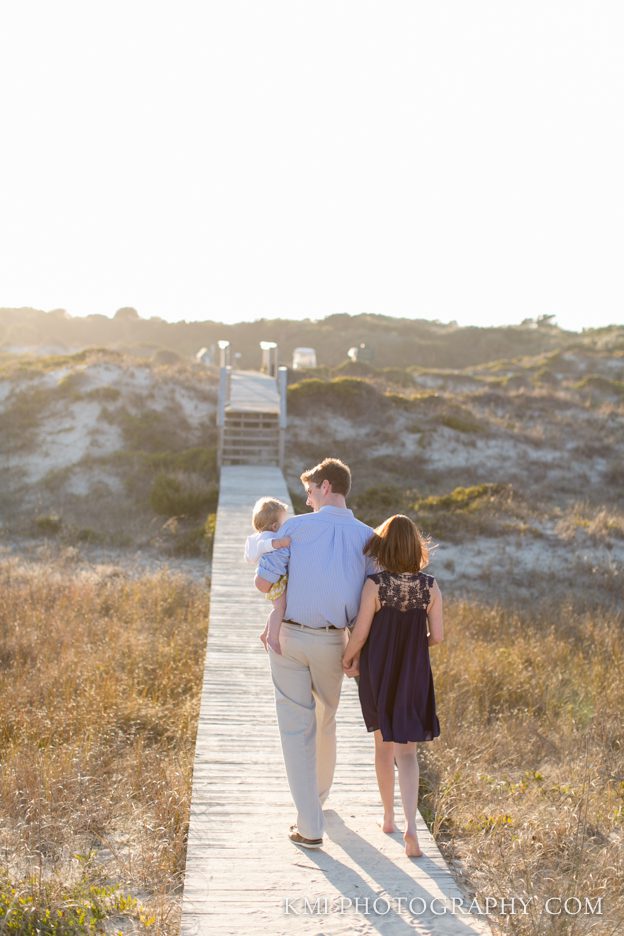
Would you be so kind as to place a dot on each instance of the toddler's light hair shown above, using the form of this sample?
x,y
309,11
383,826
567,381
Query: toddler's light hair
x,y
265,513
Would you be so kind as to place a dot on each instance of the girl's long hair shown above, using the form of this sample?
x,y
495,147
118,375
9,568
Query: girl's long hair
x,y
398,545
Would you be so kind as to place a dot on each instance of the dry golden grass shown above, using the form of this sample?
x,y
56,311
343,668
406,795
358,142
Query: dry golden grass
x,y
99,693
99,696
600,523
525,788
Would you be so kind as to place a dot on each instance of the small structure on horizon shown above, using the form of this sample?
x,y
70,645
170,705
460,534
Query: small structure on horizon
x,y
206,356
303,357
361,352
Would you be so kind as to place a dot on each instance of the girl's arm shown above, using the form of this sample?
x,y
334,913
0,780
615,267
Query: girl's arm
x,y
363,621
435,618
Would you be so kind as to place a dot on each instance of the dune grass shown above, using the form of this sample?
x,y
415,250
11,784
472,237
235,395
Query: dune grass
x,y
100,683
525,789
99,700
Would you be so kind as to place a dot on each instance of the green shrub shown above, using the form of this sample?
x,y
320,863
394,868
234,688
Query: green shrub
x,y
88,535
23,412
482,508
397,376
478,510
545,376
189,539
345,396
70,386
468,499
56,477
164,356
461,421
141,473
201,460
38,908
191,543
28,366
48,524
377,503
182,494
355,369
398,401
308,373
151,429
105,394
602,384
210,526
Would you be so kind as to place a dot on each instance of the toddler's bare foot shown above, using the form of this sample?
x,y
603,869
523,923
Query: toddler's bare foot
x,y
412,848
388,825
263,638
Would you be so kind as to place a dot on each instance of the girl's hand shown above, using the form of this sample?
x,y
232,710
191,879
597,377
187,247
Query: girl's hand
x,y
351,666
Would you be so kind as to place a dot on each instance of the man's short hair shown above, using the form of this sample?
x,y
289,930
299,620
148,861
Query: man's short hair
x,y
333,470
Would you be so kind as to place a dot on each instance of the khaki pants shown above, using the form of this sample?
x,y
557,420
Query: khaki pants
x,y
307,679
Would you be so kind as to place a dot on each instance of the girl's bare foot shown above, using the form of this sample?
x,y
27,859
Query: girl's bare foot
x,y
412,848
388,825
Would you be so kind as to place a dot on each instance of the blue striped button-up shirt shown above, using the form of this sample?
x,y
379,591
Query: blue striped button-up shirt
x,y
326,566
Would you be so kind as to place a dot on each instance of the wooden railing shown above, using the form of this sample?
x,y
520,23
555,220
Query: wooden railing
x,y
247,431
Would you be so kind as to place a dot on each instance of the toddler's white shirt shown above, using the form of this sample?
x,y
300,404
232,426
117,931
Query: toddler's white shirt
x,y
257,544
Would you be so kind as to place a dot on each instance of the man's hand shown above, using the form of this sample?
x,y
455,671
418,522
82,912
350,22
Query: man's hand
x,y
273,640
264,636
268,640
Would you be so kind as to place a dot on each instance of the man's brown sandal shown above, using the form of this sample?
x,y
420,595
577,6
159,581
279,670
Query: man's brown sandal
x,y
298,839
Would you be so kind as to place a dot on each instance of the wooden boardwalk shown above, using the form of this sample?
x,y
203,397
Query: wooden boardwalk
x,y
253,392
243,875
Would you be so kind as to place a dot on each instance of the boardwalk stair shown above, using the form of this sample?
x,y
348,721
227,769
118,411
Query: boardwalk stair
x,y
251,416
250,438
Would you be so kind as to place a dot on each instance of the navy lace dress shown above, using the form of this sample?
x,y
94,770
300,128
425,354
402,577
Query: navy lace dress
x,y
396,683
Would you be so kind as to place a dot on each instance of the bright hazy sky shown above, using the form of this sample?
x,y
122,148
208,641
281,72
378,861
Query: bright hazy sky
x,y
231,160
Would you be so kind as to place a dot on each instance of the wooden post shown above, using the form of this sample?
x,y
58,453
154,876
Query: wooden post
x,y
225,379
224,352
269,357
282,386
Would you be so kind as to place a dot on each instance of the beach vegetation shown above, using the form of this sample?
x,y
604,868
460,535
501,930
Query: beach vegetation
x,y
182,493
525,793
97,751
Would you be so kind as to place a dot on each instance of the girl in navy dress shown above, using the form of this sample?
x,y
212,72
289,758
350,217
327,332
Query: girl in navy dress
x,y
400,617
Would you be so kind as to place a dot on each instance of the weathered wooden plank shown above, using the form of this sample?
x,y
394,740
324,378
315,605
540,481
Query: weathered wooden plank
x,y
252,391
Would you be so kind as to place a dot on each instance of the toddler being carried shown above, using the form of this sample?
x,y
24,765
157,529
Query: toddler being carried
x,y
268,516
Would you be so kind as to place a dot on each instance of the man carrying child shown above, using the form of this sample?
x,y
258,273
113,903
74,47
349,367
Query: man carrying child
x,y
326,569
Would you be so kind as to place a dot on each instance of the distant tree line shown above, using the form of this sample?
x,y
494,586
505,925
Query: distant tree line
x,y
396,342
